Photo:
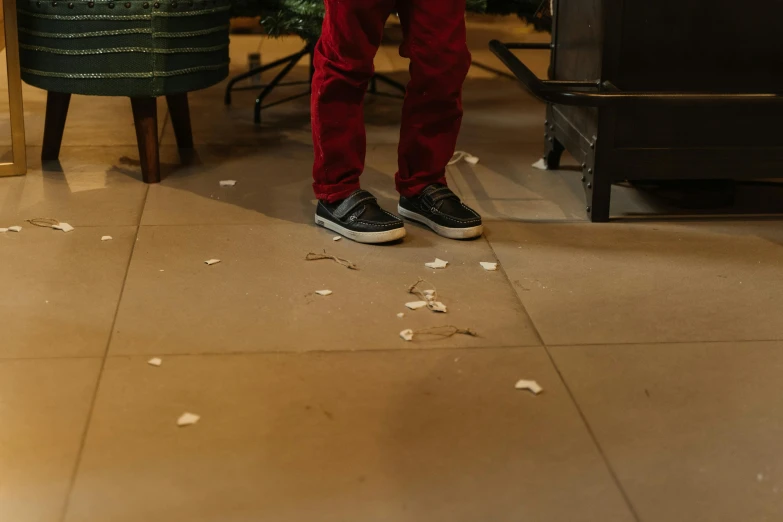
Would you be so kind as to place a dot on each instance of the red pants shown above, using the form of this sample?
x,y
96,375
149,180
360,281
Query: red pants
x,y
435,42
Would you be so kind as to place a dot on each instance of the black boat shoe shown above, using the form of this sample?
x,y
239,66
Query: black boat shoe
x,y
440,209
360,218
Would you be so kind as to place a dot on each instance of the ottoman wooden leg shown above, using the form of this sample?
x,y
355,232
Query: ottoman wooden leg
x,y
56,112
180,119
145,117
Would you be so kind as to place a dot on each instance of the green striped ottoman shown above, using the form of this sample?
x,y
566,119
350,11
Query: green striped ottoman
x,y
140,49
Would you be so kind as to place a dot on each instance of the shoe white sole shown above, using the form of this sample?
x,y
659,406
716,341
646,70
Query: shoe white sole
x,y
448,232
371,238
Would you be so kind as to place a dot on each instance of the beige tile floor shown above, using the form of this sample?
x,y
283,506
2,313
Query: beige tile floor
x,y
658,340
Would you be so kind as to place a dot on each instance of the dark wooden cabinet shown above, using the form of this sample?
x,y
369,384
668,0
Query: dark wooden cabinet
x,y
671,89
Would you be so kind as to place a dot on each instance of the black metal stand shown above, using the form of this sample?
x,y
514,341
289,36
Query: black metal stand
x,y
604,161
289,62
382,78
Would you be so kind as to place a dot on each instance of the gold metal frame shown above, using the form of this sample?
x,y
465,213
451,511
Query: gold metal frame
x,y
19,164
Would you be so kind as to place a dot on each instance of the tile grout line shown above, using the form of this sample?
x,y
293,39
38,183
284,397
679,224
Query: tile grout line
x,y
511,285
343,351
338,351
586,424
99,378
598,446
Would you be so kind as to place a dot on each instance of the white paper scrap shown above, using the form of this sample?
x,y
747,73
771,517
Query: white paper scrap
x,y
323,292
437,306
106,238
186,419
438,263
400,315
489,267
155,361
336,238
228,182
533,386
540,164
415,305
15,229
3,230
407,335
65,227
212,261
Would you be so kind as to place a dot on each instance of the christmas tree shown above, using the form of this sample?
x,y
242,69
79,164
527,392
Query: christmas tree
x,y
304,17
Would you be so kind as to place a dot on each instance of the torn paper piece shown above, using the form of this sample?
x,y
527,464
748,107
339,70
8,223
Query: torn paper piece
x,y
212,261
489,267
106,238
228,182
540,164
400,315
462,155
155,361
438,263
533,386
2,230
336,238
15,229
437,306
65,227
415,305
407,335
186,419
323,292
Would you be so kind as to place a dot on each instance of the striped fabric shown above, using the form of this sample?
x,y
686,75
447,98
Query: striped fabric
x,y
123,48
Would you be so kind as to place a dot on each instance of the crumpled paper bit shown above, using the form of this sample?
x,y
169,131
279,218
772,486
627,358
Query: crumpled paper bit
x,y
336,238
65,227
436,332
400,315
155,361
15,228
228,182
3,230
323,292
462,155
187,419
106,238
438,263
437,306
428,297
212,261
533,386
312,256
540,164
489,267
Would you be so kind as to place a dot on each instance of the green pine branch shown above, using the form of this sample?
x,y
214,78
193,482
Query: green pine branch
x,y
304,17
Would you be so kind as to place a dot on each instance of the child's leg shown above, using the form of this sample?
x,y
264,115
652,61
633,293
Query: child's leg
x,y
435,41
344,55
